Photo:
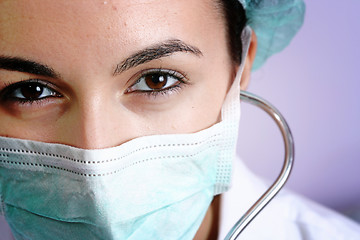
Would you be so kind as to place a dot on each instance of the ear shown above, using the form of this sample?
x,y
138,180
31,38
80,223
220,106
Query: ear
x,y
250,57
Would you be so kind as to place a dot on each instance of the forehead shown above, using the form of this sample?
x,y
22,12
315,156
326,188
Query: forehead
x,y
48,27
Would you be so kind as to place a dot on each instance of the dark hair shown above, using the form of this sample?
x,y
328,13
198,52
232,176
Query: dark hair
x,y
235,21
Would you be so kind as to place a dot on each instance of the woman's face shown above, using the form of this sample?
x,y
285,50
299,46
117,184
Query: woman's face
x,y
95,74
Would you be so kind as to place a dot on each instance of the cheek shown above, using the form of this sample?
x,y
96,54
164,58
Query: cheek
x,y
198,108
37,123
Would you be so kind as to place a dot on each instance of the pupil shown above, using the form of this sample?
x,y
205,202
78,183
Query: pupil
x,y
31,91
156,81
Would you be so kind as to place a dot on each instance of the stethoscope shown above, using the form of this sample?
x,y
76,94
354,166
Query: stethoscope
x,y
259,205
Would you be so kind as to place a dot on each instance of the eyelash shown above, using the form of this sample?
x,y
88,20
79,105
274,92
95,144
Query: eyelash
x,y
10,89
180,77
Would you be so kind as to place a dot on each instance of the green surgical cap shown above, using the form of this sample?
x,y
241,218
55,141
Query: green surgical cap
x,y
275,23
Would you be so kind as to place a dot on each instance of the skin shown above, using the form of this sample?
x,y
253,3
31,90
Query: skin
x,y
83,42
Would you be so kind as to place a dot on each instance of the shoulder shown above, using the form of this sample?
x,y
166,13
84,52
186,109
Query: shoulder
x,y
287,216
305,219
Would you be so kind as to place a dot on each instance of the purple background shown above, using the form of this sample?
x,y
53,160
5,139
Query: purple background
x,y
314,82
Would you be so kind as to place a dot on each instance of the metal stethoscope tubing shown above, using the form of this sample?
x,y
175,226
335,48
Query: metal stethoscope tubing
x,y
285,171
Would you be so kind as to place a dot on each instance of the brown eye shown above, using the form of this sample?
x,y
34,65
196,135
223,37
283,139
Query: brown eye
x,y
156,81
31,91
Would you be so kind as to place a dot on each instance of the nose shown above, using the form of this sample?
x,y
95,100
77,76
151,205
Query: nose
x,y
97,122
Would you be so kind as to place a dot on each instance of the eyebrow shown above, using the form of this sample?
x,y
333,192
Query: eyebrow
x,y
157,51
24,65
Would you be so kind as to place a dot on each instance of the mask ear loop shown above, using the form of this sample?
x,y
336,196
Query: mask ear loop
x,y
285,171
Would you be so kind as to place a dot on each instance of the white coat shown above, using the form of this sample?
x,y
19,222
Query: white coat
x,y
287,217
